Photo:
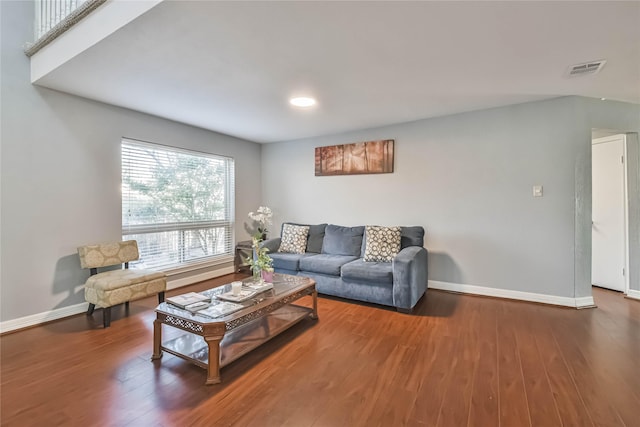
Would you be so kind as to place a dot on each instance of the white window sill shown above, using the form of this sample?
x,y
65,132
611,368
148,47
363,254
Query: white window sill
x,y
198,265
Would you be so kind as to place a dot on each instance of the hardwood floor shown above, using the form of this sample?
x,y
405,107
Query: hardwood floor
x,y
457,361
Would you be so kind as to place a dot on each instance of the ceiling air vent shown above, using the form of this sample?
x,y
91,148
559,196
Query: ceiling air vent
x,y
591,67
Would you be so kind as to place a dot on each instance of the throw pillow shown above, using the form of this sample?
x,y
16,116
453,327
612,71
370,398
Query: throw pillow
x,y
340,240
382,243
294,239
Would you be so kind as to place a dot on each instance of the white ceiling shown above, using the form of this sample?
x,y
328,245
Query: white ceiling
x,y
231,66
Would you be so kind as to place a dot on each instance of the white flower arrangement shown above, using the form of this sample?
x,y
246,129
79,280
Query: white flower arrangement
x,y
260,261
263,217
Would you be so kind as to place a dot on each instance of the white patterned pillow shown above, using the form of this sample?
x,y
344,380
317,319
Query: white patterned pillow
x,y
382,244
294,238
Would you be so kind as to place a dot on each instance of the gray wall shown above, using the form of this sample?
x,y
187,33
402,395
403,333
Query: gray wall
x,y
468,180
60,176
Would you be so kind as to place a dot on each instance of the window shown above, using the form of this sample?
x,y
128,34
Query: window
x,y
178,204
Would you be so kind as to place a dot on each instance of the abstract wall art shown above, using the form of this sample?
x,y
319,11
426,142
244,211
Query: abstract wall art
x,y
355,159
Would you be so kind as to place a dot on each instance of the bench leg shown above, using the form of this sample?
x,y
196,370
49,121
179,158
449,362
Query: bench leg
x,y
161,297
91,308
106,316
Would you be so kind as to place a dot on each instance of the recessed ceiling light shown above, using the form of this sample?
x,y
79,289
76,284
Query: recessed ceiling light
x,y
603,99
302,101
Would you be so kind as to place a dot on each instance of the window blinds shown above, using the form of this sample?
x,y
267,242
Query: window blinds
x,y
178,204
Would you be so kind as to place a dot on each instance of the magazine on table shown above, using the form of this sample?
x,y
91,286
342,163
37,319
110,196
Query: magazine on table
x,y
259,286
243,295
186,299
223,308
197,306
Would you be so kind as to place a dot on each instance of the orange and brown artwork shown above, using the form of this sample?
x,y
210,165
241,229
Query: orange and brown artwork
x,y
357,158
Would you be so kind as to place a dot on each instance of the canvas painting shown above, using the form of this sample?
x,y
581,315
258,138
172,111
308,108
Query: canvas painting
x,y
356,158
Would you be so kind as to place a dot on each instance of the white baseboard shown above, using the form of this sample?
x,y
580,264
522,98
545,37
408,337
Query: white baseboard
x,y
633,294
517,295
38,318
59,313
585,302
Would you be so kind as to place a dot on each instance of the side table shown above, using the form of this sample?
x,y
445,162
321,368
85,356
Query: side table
x,y
243,251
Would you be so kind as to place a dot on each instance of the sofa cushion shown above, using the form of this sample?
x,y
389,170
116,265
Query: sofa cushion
x,y
378,293
411,236
316,235
377,272
294,239
325,263
287,261
382,244
342,240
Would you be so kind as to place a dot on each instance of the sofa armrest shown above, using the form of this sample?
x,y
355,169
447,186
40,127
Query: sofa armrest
x,y
409,276
271,244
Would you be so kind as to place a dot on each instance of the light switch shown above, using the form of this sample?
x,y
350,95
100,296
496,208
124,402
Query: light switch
x,y
537,191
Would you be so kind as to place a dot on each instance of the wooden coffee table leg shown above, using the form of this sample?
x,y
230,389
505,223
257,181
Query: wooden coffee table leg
x,y
157,339
213,367
314,313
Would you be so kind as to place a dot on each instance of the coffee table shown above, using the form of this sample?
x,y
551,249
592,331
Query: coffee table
x,y
212,343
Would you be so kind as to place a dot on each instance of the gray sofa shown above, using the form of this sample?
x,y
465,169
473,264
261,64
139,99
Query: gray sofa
x,y
334,259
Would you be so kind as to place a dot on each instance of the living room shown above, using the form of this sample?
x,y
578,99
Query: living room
x,y
465,176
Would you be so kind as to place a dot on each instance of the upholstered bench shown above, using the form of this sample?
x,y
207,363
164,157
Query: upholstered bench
x,y
114,287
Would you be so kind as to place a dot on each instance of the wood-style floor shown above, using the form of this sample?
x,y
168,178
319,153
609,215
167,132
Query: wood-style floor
x,y
457,361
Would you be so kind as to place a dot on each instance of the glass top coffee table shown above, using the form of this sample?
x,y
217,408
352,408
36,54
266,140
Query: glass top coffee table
x,y
212,343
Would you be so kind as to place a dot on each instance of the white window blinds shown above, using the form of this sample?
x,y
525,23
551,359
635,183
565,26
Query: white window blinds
x,y
178,204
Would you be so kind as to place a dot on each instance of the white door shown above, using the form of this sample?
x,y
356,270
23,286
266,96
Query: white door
x,y
608,213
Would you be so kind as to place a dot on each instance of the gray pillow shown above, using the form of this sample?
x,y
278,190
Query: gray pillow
x,y
412,236
316,236
342,240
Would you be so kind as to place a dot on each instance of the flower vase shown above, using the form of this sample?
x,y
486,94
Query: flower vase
x,y
257,275
267,276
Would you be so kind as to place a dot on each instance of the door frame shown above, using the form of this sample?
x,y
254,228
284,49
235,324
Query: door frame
x,y
625,207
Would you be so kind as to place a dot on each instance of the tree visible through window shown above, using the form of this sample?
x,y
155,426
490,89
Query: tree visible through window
x,y
177,204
